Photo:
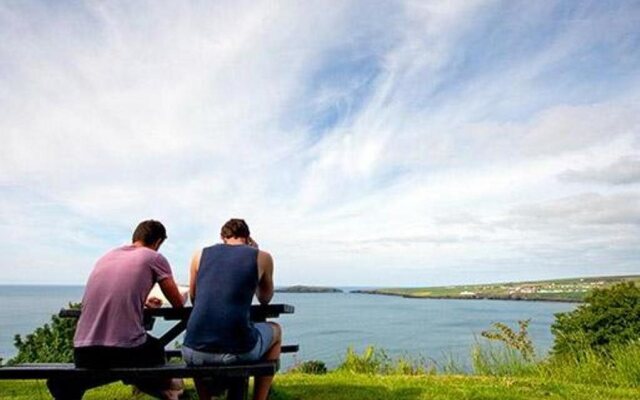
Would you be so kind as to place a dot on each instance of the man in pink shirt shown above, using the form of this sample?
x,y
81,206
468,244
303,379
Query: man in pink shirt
x,y
110,331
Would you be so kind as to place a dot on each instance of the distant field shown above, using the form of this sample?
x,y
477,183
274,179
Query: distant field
x,y
573,290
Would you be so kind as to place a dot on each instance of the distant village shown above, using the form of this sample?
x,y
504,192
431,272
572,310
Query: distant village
x,y
562,290
580,286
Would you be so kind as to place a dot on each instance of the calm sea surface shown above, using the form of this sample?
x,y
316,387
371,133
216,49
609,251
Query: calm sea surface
x,y
324,325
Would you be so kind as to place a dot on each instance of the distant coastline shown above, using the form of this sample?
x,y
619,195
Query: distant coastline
x,y
573,290
307,289
453,297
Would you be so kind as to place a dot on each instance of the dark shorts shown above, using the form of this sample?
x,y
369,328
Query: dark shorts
x,y
149,354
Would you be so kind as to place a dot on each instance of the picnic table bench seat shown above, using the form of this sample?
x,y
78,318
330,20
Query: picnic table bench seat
x,y
67,382
70,371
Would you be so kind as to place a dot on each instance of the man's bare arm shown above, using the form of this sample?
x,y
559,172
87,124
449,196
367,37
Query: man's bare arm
x,y
265,284
193,274
171,292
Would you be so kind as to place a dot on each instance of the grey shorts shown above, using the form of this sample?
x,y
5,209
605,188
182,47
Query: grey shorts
x,y
265,337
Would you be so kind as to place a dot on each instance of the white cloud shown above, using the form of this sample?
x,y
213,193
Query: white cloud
x,y
588,208
363,143
568,128
625,171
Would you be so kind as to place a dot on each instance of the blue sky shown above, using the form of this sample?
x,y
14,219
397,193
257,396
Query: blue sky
x,y
397,143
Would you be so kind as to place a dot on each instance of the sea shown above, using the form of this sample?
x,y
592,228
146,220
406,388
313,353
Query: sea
x,y
324,325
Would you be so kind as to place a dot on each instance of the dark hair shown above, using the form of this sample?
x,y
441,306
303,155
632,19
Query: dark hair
x,y
149,232
235,227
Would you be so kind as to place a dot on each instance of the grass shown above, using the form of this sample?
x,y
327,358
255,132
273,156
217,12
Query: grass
x,y
349,386
29,389
500,361
618,368
498,373
439,387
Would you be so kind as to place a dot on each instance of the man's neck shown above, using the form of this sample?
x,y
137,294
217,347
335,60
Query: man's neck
x,y
140,243
235,241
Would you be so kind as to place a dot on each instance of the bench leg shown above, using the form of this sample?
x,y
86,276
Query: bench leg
x,y
238,389
63,389
67,389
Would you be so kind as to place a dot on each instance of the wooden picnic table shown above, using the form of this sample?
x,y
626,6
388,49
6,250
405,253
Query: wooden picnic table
x,y
259,313
65,381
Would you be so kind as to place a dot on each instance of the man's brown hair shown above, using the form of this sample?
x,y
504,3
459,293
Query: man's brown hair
x,y
235,227
149,232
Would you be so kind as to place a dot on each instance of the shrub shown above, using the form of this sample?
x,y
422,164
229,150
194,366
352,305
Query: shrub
x,y
406,365
519,341
376,361
609,316
49,343
624,359
515,356
451,365
315,367
372,361
500,361
617,367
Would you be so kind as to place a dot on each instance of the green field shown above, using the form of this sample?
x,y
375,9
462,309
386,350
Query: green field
x,y
574,289
347,386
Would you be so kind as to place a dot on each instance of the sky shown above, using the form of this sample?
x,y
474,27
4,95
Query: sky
x,y
366,143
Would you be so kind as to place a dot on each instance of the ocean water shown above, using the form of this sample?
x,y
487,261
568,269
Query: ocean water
x,y
324,325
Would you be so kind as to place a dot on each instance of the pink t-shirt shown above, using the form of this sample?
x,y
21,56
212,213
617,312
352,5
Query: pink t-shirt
x,y
115,295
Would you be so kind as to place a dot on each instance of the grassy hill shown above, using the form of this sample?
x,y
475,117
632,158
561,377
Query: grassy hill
x,y
573,290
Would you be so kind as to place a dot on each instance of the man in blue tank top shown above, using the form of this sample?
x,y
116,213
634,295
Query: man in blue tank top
x,y
223,281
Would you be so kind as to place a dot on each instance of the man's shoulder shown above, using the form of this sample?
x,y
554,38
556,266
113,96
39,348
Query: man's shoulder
x,y
264,253
264,257
151,256
211,247
116,252
133,254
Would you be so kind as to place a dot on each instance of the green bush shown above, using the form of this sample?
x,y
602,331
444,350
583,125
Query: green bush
x,y
49,343
376,361
624,359
407,365
371,361
500,361
518,341
618,366
452,365
609,316
315,367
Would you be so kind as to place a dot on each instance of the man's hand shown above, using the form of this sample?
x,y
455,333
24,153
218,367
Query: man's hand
x,y
153,302
171,292
252,243
185,296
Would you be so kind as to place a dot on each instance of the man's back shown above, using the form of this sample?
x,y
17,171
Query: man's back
x,y
115,295
222,282
226,282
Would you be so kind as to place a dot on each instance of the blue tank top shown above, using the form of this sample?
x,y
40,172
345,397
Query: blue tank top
x,y
226,282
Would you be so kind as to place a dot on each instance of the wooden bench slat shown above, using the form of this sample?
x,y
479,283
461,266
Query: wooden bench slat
x,y
290,348
169,313
287,348
56,370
